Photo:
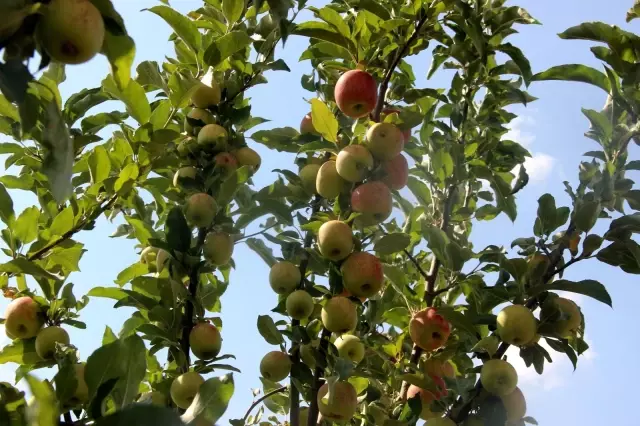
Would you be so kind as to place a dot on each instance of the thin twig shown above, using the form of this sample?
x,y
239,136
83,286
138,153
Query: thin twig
x,y
312,418
262,398
244,237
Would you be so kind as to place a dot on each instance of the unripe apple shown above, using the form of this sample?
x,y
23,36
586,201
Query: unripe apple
x,y
275,366
184,388
429,330
306,125
201,210
299,305
248,157
184,173
362,274
284,277
474,420
515,404
81,394
374,201
214,137
569,320
187,147
70,31
218,248
534,341
426,398
226,162
304,415
154,398
339,315
197,114
498,377
308,175
22,318
440,421
306,353
148,255
406,134
329,184
397,172
162,258
46,341
356,93
335,240
384,140
340,405
516,325
205,340
353,163
350,347
206,95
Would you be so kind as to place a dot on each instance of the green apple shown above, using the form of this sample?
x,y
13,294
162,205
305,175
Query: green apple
x,y
284,277
426,398
218,248
335,240
148,255
248,157
354,163
340,404
515,404
22,318
304,416
440,421
498,377
188,146
81,394
385,141
153,398
184,173
339,315
516,325
329,184
162,258
562,315
184,388
47,338
350,347
306,353
362,274
374,201
207,92
299,305
213,137
199,115
308,175
429,330
205,340
200,210
275,366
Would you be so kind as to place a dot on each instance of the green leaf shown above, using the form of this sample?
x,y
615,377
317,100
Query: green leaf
x,y
211,401
457,319
142,415
589,288
20,352
575,72
46,406
6,206
127,176
324,121
519,59
142,230
545,222
62,223
225,46
487,212
442,164
267,329
586,215
58,162
136,270
133,96
625,254
184,27
437,242
232,10
22,265
178,231
487,344
334,19
99,164
25,228
107,292
230,185
392,243
634,12
8,110
323,31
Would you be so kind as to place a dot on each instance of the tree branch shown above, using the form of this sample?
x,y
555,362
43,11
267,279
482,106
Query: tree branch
x,y
312,419
262,398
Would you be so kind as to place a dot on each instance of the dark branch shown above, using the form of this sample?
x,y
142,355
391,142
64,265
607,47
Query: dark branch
x,y
317,380
262,398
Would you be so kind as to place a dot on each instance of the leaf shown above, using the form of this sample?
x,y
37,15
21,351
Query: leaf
x,y
58,162
184,27
323,31
546,219
392,243
6,206
62,223
267,329
46,407
136,270
225,46
178,231
142,415
589,288
211,401
457,319
230,185
99,164
324,121
22,265
20,352
575,72
232,10
25,228
586,215
437,242
487,344
519,59
142,230
133,96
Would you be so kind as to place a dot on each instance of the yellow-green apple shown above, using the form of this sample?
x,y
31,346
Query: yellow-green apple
x,y
247,157
207,92
362,274
440,421
429,330
275,366
406,134
214,137
306,125
354,162
515,404
356,93
22,318
148,255
306,353
184,388
350,347
153,398
426,398
47,338
474,420
335,240
534,341
373,200
304,415
562,315
498,377
200,210
184,173
385,141
284,277
516,325
205,340
198,114
187,147
81,394
299,305
70,31
340,404
218,248
308,175
162,258
226,162
339,315
329,184
537,266
396,172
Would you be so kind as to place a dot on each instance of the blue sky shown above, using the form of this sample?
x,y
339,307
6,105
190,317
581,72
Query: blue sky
x,y
551,128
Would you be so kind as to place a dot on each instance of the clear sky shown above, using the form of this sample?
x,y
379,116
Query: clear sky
x,y
552,128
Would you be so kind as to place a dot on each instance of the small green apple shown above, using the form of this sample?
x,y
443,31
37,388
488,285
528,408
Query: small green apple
x,y
218,248
498,377
46,341
284,277
299,305
207,94
335,240
184,388
205,340
354,163
340,404
200,210
213,137
339,315
350,347
516,325
329,184
515,404
248,157
362,274
385,141
308,175
184,173
562,316
275,366
196,119
22,318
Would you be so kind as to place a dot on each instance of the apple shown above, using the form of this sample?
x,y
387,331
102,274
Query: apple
x,y
306,125
474,420
201,210
440,421
207,92
247,157
306,353
22,318
70,31
350,347
335,240
218,248
308,175
184,388
275,366
516,325
205,340
47,338
406,134
374,201
562,315
188,146
362,274
184,173
153,398
354,162
347,294
340,404
534,341
448,370
356,93
426,398
162,258
214,137
498,377
397,172
339,315
198,114
226,162
384,140
437,367
441,387
515,404
299,305
429,330
81,394
303,416
284,277
329,184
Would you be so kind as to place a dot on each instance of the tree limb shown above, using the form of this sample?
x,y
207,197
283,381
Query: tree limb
x,y
312,419
262,398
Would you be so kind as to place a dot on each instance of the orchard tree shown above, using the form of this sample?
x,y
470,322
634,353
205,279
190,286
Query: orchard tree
x,y
387,313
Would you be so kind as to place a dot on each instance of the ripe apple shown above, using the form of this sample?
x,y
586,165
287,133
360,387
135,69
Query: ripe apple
x,y
335,240
214,137
197,114
353,163
205,340
306,125
362,274
516,325
339,315
356,93
81,394
440,421
248,157
329,184
275,366
569,320
299,305
441,387
308,175
306,353
515,404
153,398
70,31
374,201
22,318
218,248
429,330
207,92
350,347
47,338
184,388
397,172
434,367
184,173
284,277
498,377
226,162
426,398
448,370
406,134
340,405
201,210
385,141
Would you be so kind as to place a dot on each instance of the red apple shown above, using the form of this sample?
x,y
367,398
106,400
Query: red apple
x,y
373,200
426,398
429,330
397,170
362,274
226,161
356,93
